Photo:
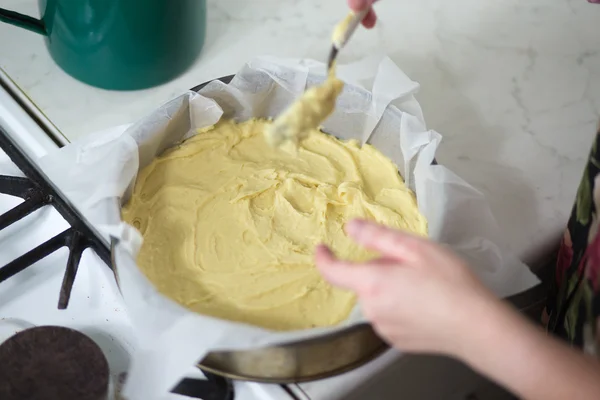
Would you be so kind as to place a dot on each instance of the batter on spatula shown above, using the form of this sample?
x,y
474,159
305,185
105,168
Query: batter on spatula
x,y
306,114
311,109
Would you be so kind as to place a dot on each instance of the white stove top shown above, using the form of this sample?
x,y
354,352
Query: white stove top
x,y
96,307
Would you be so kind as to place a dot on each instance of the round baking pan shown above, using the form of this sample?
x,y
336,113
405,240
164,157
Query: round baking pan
x,y
306,360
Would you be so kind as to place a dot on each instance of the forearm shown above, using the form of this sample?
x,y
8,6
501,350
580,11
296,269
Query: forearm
x,y
521,357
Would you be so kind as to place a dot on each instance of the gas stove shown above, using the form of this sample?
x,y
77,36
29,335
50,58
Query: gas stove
x,y
55,270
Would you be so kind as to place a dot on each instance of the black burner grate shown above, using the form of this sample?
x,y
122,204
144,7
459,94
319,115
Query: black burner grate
x,y
37,191
215,388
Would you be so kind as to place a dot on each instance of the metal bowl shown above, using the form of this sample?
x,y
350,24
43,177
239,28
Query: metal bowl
x,y
301,361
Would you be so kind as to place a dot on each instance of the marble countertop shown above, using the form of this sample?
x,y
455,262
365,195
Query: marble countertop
x,y
513,85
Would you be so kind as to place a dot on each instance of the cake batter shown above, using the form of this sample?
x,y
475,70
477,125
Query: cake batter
x,y
230,223
306,114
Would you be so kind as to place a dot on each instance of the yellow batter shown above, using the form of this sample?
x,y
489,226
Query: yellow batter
x,y
230,223
306,114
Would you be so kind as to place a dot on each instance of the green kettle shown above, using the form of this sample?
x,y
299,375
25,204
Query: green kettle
x,y
119,44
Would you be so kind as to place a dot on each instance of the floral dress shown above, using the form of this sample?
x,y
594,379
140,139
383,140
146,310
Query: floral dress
x,y
574,301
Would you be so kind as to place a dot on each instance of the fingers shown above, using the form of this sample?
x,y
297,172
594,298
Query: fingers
x,y
389,242
359,5
358,277
370,19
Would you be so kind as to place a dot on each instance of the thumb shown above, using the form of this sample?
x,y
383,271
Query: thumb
x,y
357,277
359,5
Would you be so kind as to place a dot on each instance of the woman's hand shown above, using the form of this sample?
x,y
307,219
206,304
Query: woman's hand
x,y
422,298
419,296
359,5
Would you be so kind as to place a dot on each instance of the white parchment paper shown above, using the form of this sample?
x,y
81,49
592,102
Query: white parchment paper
x,y
99,171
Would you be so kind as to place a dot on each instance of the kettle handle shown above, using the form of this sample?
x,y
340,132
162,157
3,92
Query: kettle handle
x,y
23,21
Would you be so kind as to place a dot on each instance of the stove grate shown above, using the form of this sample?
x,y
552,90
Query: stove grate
x,y
37,192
